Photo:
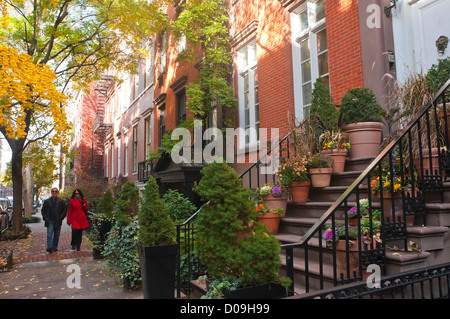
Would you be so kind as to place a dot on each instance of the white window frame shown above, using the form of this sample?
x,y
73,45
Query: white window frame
x,y
119,156
248,52
298,35
126,168
112,158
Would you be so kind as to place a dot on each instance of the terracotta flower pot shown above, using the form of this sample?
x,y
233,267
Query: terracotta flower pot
x,y
300,191
388,201
427,169
275,202
365,138
272,221
338,156
320,177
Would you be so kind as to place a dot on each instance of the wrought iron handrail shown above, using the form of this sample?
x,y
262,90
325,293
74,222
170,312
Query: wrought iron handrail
x,y
431,181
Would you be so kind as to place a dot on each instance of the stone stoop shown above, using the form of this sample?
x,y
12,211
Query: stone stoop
x,y
428,245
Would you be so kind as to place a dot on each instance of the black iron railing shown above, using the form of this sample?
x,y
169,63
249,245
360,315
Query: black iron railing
x,y
402,162
425,283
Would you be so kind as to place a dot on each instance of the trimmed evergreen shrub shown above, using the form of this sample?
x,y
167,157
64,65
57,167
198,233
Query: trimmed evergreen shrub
x,y
231,242
155,226
360,105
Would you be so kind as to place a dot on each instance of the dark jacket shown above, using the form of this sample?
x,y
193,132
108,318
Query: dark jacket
x,y
60,211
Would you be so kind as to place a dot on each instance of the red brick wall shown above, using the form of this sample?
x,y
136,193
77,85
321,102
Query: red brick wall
x,y
274,58
344,47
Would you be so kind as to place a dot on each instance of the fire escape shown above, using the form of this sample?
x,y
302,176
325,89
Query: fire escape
x,y
101,126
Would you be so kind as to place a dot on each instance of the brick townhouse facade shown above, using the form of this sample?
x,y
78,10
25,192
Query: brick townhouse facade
x,y
279,47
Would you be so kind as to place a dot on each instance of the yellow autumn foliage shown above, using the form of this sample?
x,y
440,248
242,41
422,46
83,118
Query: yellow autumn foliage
x,y
28,92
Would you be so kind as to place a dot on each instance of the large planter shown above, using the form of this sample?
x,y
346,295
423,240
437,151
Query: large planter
x,y
265,291
388,201
365,138
427,169
272,221
104,227
299,191
158,265
338,156
320,177
275,202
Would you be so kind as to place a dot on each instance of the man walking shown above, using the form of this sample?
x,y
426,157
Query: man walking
x,y
53,211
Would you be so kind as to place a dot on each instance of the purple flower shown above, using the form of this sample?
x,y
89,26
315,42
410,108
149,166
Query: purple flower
x,y
276,191
352,212
328,236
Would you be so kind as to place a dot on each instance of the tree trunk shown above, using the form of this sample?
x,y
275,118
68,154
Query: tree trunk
x,y
16,167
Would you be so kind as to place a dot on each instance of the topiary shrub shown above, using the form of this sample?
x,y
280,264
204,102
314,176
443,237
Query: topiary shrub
x,y
231,242
101,223
127,206
438,75
322,109
360,105
155,226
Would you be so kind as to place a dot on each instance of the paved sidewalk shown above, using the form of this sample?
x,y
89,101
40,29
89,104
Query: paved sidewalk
x,y
37,274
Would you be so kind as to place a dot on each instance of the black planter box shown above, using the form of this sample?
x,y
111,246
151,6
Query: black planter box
x,y
158,265
266,291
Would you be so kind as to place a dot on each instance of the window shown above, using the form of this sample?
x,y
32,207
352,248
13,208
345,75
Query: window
x,y
310,52
148,136
136,86
181,106
162,123
135,149
162,52
119,157
125,173
149,68
112,159
248,95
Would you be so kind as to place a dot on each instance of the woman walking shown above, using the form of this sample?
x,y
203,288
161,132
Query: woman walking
x,y
77,217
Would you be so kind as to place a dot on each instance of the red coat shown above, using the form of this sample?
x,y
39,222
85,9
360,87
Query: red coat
x,y
76,214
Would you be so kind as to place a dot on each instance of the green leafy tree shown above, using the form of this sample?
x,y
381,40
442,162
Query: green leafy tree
x,y
78,40
155,226
127,206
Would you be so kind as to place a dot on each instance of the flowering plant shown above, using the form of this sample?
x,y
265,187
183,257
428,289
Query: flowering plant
x,y
339,233
262,209
363,208
276,191
293,170
385,184
334,140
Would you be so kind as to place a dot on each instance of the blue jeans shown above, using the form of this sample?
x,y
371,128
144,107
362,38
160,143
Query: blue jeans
x,y
52,235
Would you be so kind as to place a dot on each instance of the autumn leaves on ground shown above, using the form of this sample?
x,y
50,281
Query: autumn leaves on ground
x,y
36,274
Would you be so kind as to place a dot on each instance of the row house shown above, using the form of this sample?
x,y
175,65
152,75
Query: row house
x,y
279,47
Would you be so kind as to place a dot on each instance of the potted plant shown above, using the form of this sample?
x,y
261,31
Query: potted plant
x,y
352,213
101,223
269,217
231,243
273,197
294,174
157,246
392,189
336,145
319,167
362,120
324,115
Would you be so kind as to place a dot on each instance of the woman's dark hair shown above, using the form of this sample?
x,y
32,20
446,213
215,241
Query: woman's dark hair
x,y
77,190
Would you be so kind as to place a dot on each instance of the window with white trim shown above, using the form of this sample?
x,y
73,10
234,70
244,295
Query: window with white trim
x,y
248,95
119,156
310,52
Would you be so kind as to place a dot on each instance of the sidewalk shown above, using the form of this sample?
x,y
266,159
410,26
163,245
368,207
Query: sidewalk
x,y
37,274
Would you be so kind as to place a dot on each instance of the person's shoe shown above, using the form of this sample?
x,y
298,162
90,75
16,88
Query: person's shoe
x,y
73,247
49,250
55,249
